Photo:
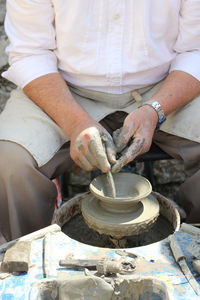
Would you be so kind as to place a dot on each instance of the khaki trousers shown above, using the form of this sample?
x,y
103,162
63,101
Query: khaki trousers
x,y
27,194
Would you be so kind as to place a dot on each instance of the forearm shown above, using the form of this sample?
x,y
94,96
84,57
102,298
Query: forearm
x,y
51,94
178,89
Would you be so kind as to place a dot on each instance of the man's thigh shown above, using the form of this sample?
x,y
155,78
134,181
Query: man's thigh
x,y
24,123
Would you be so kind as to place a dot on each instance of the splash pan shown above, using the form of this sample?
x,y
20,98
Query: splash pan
x,y
69,217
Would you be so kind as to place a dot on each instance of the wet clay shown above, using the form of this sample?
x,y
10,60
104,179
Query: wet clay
x,y
17,257
111,184
140,288
85,287
78,230
96,288
118,224
132,210
130,188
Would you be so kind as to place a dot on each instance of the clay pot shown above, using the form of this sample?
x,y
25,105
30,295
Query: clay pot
x,y
130,190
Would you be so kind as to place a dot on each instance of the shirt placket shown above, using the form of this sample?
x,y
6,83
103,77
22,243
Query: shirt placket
x,y
114,45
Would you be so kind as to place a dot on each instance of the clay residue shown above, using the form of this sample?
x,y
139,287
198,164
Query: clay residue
x,y
107,288
140,288
111,184
78,230
85,287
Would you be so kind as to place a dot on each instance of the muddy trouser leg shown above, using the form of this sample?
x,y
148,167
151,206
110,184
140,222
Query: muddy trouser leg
x,y
189,193
27,194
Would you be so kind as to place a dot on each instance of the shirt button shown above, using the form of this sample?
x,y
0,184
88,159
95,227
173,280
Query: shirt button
x,y
116,16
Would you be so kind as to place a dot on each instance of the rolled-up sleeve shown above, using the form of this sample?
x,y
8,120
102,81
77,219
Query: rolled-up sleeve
x,y
187,45
29,25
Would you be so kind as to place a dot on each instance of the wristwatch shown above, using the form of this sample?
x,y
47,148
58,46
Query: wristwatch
x,y
158,108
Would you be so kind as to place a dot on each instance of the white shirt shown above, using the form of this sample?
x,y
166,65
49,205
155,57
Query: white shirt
x,y
112,46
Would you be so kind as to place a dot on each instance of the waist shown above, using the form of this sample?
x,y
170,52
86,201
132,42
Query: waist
x,y
111,100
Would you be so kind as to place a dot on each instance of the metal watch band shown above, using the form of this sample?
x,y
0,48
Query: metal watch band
x,y
158,108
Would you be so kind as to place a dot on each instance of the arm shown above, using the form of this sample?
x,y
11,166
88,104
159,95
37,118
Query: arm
x,y
178,89
33,67
84,133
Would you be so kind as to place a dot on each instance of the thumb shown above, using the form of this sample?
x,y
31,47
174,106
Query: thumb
x,y
121,138
109,148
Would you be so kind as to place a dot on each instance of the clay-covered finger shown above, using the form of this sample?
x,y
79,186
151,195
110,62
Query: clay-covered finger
x,y
116,134
97,149
109,148
122,138
132,151
83,163
84,151
117,166
92,159
136,148
121,162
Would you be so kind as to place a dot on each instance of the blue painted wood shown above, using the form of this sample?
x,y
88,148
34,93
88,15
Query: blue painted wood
x,y
159,262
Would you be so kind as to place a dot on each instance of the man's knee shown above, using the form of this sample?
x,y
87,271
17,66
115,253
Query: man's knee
x,y
13,158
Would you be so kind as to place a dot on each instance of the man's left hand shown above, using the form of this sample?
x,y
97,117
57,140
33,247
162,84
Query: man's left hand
x,y
135,137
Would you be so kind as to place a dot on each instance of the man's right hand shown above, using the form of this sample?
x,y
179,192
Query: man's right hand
x,y
92,147
85,134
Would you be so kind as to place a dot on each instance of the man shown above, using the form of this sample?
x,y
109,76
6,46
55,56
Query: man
x,y
86,69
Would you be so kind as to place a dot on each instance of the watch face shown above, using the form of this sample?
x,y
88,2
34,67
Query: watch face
x,y
161,116
159,109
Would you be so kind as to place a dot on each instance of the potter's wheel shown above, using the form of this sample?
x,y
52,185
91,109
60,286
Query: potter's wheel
x,y
133,211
